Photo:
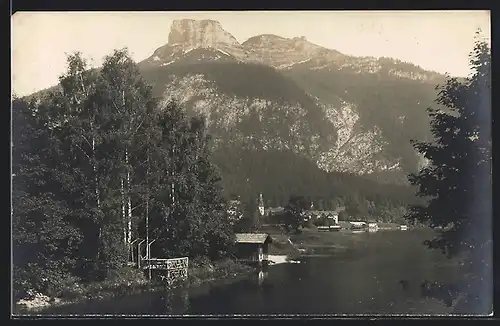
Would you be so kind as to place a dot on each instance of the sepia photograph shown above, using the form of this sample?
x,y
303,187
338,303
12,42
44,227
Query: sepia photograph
x,y
251,164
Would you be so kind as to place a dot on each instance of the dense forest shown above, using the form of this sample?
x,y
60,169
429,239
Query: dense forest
x,y
99,163
278,175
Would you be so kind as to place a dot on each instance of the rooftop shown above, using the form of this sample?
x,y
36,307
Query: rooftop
x,y
252,237
275,209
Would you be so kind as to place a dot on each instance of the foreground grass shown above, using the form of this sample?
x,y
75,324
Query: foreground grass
x,y
129,281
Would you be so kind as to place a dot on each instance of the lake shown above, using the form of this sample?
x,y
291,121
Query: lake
x,y
377,273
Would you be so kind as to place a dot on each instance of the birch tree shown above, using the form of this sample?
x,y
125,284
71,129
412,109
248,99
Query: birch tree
x,y
128,102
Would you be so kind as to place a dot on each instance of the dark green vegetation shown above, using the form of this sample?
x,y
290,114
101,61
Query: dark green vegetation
x,y
293,217
98,164
457,184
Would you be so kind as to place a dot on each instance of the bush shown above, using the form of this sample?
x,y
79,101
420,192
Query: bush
x,y
126,275
20,284
54,283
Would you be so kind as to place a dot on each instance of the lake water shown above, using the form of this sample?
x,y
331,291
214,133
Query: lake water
x,y
377,273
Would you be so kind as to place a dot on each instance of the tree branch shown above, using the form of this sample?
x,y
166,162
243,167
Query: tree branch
x,y
83,152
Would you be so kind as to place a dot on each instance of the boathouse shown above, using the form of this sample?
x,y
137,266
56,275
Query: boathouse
x,y
356,225
252,247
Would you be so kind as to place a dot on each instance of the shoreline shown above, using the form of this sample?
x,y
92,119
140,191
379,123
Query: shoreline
x,y
198,275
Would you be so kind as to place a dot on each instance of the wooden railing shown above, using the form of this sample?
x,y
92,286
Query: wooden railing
x,y
177,268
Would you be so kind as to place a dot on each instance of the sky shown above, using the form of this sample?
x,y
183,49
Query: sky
x,y
435,40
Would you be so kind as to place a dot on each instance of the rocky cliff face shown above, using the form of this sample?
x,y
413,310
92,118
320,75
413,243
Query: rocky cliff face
x,y
187,35
252,122
257,119
199,33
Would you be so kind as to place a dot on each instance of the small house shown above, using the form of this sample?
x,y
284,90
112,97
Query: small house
x,y
252,247
372,225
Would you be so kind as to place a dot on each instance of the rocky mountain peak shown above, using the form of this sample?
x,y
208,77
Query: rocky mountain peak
x,y
190,33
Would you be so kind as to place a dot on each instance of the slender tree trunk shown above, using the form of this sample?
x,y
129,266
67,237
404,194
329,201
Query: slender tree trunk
x,y
172,185
97,196
129,203
126,202
148,249
123,212
147,201
96,180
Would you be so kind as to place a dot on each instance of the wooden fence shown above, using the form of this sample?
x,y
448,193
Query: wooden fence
x,y
177,268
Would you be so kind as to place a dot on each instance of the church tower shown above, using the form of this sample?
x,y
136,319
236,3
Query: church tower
x,y
261,205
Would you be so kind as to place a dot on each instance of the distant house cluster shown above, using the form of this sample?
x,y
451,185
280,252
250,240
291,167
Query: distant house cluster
x,y
329,215
332,215
330,218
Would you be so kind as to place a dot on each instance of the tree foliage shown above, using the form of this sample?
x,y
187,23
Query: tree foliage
x,y
99,162
293,217
457,181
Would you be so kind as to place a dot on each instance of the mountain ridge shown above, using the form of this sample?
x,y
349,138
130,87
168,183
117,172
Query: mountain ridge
x,y
188,34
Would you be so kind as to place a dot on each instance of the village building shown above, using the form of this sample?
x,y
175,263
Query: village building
x,y
331,216
253,247
273,211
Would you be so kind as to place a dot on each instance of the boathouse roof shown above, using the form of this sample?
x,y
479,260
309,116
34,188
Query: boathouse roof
x,y
252,237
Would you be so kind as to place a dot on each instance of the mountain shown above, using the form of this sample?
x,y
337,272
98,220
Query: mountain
x,y
347,114
289,101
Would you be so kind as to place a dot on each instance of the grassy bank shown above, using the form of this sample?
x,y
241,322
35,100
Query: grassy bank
x,y
127,281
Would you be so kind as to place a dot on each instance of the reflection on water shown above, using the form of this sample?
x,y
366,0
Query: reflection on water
x,y
177,301
261,276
